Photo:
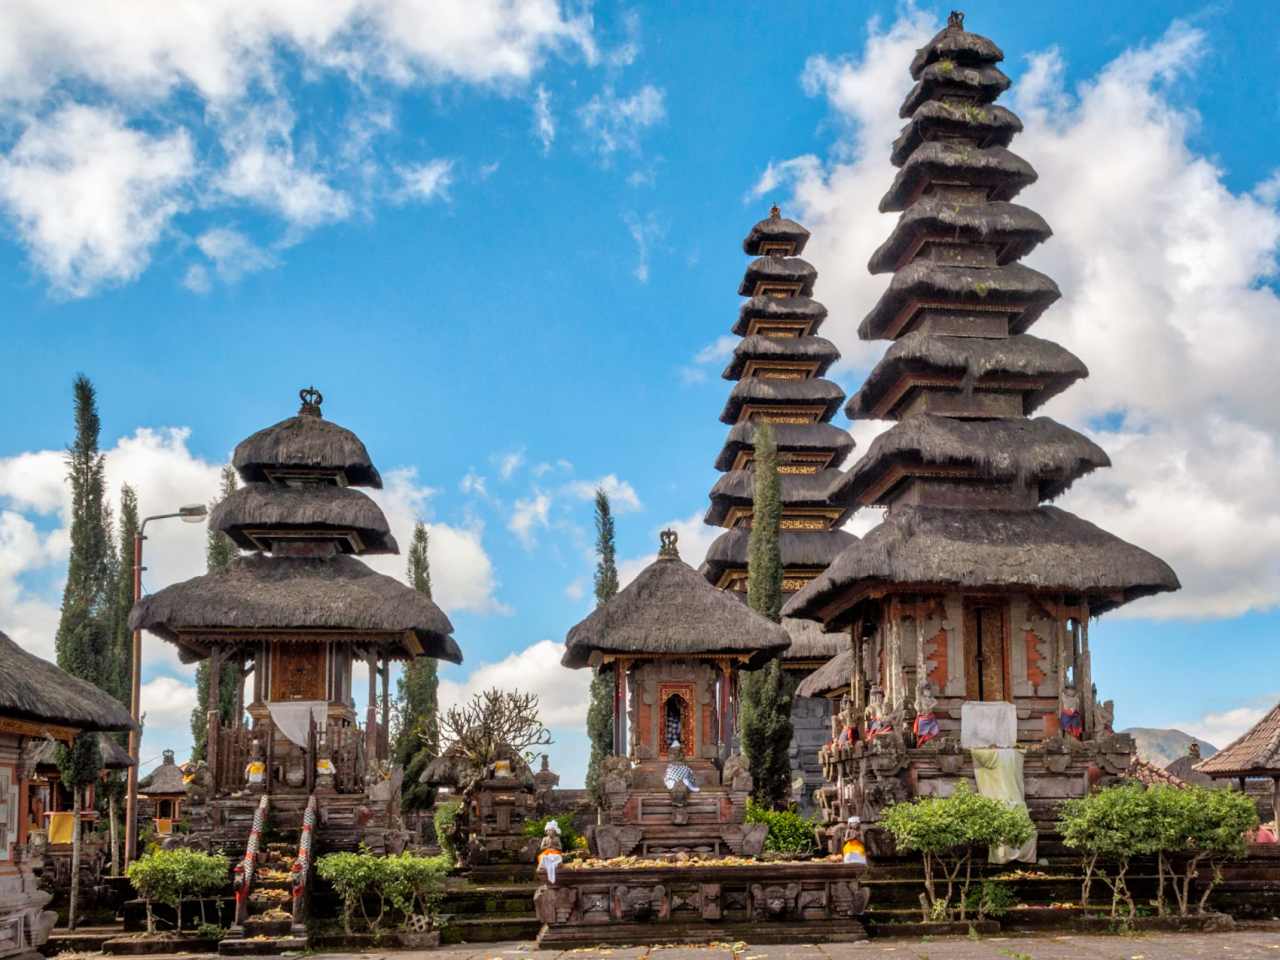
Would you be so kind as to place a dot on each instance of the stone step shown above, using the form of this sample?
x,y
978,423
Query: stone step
x,y
490,929
80,940
267,927
260,947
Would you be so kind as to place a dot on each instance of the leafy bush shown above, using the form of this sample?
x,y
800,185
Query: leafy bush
x,y
569,835
1115,824
443,819
992,899
409,885
172,877
789,833
947,831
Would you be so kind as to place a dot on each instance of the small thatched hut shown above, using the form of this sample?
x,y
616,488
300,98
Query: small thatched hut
x,y
1254,755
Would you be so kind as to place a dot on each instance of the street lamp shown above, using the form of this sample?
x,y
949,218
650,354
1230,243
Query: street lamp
x,y
191,513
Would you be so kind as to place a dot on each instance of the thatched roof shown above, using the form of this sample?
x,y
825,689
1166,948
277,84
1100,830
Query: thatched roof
x,y
758,347
979,83
775,228
778,270
1042,549
807,392
809,641
800,549
36,690
790,437
1038,450
956,44
1025,292
1002,171
973,357
163,780
832,678
114,756
988,125
737,488
266,593
1015,229
258,506
306,441
669,608
799,309
1256,753
1184,768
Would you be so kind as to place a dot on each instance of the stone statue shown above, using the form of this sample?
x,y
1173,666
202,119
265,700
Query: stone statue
x,y
877,716
926,726
1070,722
853,850
550,854
848,729
1106,718
678,778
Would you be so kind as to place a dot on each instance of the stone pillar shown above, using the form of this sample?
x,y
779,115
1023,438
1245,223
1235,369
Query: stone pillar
x,y
1085,669
858,681
384,735
371,713
213,716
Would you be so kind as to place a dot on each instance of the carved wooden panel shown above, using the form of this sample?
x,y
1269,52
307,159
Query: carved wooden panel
x,y
986,651
297,671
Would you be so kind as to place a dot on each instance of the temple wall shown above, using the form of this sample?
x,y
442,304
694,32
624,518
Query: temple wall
x,y
24,923
811,729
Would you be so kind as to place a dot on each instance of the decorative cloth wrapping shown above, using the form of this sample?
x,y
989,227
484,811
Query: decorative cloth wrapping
x,y
548,860
854,851
988,724
61,827
998,771
293,719
679,773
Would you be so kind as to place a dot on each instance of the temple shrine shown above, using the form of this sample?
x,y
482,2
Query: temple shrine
x,y
778,370
295,612
971,592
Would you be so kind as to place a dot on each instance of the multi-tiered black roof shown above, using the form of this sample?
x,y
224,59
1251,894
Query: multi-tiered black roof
x,y
779,367
306,525
963,471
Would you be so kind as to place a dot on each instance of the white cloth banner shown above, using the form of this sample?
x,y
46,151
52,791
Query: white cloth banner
x,y
293,718
990,724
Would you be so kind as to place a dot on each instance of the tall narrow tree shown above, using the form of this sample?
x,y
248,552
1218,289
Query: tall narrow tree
x,y
219,551
83,641
600,707
767,693
417,740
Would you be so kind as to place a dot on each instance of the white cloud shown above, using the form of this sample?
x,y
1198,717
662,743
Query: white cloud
x,y
645,232
509,463
1222,728
693,539
91,196
1164,276
562,694
614,123
1269,190
577,589
427,181
529,515
622,496
544,122
474,484
232,255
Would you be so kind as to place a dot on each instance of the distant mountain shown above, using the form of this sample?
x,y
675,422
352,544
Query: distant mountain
x,y
1162,747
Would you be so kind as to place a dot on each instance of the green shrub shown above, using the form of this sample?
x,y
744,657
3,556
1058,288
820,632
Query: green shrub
x,y
172,877
1116,825
993,899
443,819
405,883
789,833
947,831
569,835
1198,825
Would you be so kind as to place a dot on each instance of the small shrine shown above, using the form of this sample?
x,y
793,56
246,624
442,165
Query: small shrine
x,y
40,705
295,612
162,794
676,781
967,609
1252,760
779,371
497,802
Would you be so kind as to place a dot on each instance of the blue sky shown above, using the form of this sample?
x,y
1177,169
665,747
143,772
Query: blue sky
x,y
503,239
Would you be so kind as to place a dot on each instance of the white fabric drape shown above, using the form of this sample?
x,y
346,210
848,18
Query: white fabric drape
x,y
293,718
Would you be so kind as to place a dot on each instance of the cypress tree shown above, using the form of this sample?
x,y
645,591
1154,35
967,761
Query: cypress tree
x,y
417,741
122,636
766,693
600,707
219,551
83,642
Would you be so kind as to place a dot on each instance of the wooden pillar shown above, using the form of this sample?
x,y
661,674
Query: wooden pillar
x,y
240,672
619,748
371,712
1275,802
858,680
213,717
1061,652
385,732
259,671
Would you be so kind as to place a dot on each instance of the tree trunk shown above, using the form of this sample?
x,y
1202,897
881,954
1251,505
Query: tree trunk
x,y
74,904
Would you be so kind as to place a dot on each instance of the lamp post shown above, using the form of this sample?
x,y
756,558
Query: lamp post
x,y
191,513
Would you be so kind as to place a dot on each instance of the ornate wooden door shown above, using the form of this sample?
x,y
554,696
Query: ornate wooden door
x,y
298,671
986,651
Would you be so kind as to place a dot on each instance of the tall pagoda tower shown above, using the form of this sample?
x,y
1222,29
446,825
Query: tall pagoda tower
x,y
302,607
971,584
778,367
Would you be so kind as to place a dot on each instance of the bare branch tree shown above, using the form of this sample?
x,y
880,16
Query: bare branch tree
x,y
494,725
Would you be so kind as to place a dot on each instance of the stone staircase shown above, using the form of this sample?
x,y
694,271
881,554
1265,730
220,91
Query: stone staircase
x,y
269,928
489,912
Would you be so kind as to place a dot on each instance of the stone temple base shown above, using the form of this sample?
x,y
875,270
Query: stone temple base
x,y
819,902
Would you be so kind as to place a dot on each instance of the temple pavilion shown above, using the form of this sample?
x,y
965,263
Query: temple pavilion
x,y
1252,760
296,611
778,369
972,589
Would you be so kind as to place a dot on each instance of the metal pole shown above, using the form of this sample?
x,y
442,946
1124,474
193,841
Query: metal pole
x,y
135,707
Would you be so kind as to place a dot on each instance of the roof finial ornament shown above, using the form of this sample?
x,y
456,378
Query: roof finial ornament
x,y
774,212
311,400
668,551
956,20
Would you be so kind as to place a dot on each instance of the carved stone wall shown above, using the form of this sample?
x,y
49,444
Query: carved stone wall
x,y
811,729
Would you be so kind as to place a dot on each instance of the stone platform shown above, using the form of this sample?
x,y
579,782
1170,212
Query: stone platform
x,y
815,902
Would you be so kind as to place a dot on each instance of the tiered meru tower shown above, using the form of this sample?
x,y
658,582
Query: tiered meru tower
x,y
969,583
779,365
